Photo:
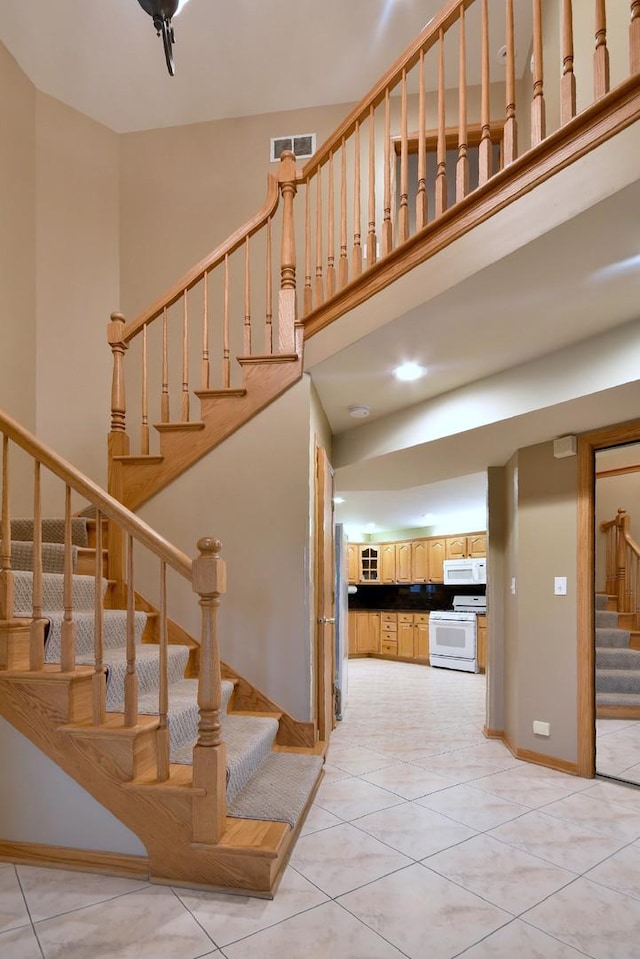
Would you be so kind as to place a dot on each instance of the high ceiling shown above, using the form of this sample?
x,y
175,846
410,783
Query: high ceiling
x,y
233,57
241,58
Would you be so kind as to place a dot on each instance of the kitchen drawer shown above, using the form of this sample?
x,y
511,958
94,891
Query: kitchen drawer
x,y
405,618
390,627
388,647
420,618
388,618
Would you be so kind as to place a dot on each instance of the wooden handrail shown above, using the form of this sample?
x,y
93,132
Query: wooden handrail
x,y
213,259
107,505
207,574
426,39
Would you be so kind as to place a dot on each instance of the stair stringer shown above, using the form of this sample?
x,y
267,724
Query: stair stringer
x,y
222,412
117,766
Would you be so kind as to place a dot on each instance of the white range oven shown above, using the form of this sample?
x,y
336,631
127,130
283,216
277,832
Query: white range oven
x,y
452,634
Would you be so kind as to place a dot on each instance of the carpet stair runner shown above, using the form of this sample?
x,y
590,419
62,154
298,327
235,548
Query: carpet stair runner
x,y
261,783
617,666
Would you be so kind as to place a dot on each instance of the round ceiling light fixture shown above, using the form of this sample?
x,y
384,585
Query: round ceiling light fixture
x,y
408,372
359,412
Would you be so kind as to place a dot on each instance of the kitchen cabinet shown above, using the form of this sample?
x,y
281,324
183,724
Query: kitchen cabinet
x,y
367,631
353,563
420,561
404,567
388,563
411,561
369,563
389,634
436,549
421,636
405,636
463,547
351,633
481,642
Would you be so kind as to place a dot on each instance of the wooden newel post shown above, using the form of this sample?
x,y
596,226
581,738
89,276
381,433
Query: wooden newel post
x,y
287,312
622,527
117,445
209,753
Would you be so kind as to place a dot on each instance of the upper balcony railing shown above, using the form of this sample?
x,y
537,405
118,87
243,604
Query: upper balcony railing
x,y
482,94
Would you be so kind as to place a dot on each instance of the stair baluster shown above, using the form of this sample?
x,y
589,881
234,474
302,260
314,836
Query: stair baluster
x,y
68,648
36,646
601,54
100,682
538,119
568,83
209,754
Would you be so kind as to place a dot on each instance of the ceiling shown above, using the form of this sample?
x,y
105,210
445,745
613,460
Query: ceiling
x,y
103,59
233,58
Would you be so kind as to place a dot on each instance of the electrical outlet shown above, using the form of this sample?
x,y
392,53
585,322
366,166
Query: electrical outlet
x,y
541,729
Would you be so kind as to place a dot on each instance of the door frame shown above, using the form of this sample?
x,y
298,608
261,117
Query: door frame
x,y
324,577
588,444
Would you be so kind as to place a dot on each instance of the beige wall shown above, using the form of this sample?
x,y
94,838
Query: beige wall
x,y
77,281
252,493
497,590
39,803
540,631
17,254
184,190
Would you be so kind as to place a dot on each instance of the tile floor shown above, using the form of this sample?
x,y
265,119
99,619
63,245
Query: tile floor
x,y
425,841
618,748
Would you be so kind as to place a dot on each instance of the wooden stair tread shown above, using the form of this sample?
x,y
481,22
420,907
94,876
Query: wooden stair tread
x,y
113,726
206,394
268,358
193,426
139,459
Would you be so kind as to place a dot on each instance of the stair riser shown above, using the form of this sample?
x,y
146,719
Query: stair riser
x,y
613,638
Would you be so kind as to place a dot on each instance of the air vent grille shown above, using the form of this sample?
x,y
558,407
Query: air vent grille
x,y
303,145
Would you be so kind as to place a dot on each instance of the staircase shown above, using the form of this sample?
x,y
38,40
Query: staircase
x,y
617,663
210,774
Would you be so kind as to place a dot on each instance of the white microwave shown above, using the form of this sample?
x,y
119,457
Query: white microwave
x,y
465,572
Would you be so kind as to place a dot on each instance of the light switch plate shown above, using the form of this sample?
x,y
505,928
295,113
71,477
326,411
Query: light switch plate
x,y
560,586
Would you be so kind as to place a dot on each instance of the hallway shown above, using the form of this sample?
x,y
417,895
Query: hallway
x,y
426,841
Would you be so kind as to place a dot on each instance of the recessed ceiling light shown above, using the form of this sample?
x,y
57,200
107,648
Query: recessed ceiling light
x,y
338,499
409,371
359,412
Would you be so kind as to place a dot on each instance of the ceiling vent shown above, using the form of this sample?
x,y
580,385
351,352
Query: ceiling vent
x,y
303,145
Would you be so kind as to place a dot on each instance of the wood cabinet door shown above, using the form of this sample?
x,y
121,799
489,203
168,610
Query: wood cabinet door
x,y
420,561
436,550
403,563
388,563
477,545
421,636
352,633
456,547
353,563
374,632
367,632
481,645
369,564
405,638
